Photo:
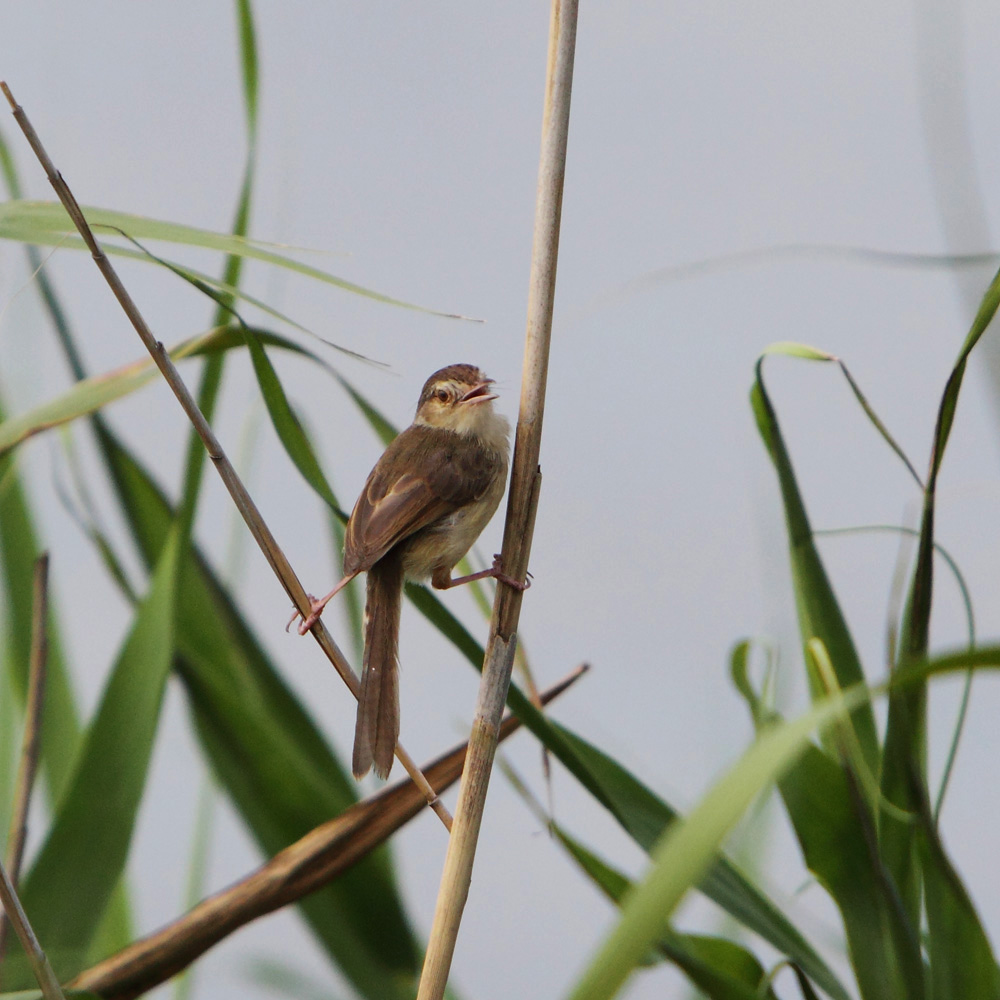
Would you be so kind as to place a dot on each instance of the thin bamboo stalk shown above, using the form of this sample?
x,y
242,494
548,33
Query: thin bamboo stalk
x,y
244,503
13,912
521,507
50,987
28,763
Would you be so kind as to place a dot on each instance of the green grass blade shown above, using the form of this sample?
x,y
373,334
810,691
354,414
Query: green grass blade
x,y
795,350
268,755
830,806
384,428
84,853
46,224
966,594
19,549
686,851
721,969
197,878
90,395
249,65
819,612
286,424
961,959
10,723
905,765
838,842
641,813
61,730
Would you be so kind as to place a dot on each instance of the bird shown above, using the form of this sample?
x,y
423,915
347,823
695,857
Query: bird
x,y
425,503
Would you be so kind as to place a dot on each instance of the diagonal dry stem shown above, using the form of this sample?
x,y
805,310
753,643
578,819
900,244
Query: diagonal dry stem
x,y
13,914
521,506
28,764
303,867
244,503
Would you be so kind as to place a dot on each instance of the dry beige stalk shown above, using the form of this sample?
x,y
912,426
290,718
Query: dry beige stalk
x,y
521,506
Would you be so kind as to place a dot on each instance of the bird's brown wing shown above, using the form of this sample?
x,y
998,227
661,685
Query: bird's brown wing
x,y
421,478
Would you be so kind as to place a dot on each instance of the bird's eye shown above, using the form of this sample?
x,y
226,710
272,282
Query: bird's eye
x,y
442,394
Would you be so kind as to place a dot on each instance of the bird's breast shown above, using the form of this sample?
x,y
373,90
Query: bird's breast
x,y
443,543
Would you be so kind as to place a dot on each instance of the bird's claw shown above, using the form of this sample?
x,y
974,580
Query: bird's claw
x,y
498,574
315,610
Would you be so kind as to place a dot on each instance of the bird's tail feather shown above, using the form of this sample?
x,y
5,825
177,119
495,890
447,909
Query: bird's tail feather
x,y
378,705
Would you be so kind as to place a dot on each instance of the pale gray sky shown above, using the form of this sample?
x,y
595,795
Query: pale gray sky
x,y
404,139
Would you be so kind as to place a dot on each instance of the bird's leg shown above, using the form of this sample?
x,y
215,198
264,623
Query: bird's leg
x,y
442,580
316,607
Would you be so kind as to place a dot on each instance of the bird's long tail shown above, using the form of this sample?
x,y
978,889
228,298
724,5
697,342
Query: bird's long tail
x,y
378,705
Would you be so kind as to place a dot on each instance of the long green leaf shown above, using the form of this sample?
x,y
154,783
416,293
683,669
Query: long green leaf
x,y
60,729
820,615
905,764
377,950
46,224
838,842
268,754
91,394
286,424
721,969
686,851
83,856
960,957
641,813
19,549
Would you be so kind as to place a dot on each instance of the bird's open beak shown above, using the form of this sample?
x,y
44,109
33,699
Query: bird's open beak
x,y
480,393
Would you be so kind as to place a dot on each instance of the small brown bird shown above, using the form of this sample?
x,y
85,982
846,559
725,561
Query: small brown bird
x,y
426,501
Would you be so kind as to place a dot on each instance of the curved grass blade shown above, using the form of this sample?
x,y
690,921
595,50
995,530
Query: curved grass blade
x,y
61,728
286,424
91,394
46,224
905,756
381,951
640,812
966,594
719,263
18,550
960,957
836,830
819,612
289,429
686,851
838,842
721,969
84,853
268,755
795,350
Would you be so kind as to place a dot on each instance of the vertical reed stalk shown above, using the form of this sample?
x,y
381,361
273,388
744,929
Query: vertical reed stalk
x,y
521,506
28,764
13,914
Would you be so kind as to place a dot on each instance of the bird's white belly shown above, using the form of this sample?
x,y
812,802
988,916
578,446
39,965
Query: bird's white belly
x,y
446,542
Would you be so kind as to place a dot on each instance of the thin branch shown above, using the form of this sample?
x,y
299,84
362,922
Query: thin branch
x,y
307,865
51,989
28,765
244,503
521,506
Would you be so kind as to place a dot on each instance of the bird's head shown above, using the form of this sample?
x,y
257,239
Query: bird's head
x,y
459,398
